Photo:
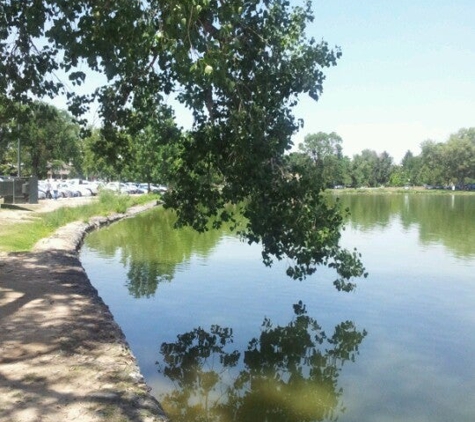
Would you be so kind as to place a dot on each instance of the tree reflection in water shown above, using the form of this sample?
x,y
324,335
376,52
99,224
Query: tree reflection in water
x,y
289,373
144,277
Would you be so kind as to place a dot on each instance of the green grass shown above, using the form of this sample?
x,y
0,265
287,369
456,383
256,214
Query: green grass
x,y
389,190
20,237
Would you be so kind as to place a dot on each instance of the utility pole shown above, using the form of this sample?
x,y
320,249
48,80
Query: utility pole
x,y
19,159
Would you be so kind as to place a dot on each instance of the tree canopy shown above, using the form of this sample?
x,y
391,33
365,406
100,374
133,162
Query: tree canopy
x,y
239,66
46,134
325,150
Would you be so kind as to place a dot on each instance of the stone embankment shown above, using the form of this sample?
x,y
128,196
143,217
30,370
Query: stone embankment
x,y
62,356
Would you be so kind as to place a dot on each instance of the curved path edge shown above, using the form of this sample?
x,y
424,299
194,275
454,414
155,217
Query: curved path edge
x,y
62,355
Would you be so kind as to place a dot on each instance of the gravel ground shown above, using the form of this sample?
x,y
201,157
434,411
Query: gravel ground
x,y
21,212
62,356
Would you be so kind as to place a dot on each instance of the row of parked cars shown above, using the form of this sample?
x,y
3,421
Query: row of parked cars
x,y
75,187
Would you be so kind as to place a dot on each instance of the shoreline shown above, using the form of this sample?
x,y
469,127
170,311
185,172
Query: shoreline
x,y
62,355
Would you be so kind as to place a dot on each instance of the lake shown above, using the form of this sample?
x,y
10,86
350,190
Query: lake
x,y
220,337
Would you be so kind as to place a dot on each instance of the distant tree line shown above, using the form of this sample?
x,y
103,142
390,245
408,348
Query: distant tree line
x,y
50,137
440,164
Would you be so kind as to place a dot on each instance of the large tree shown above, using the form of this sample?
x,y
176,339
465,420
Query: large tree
x,y
384,168
459,154
238,65
371,169
326,151
155,149
410,165
432,169
42,133
364,168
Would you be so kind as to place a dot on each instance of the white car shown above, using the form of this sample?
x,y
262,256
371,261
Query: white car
x,y
68,191
153,188
83,187
83,190
116,187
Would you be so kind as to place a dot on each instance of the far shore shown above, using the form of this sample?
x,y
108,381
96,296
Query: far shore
x,y
409,189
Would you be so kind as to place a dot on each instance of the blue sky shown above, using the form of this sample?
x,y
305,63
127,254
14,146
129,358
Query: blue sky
x,y
407,73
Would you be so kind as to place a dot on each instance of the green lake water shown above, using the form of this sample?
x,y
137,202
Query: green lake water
x,y
220,337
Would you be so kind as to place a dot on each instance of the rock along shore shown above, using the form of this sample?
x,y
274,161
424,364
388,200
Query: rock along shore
x,y
62,355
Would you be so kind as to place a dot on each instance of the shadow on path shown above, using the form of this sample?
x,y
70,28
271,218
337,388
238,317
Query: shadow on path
x,y
62,356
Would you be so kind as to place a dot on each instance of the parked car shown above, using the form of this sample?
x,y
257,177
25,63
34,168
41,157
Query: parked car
x,y
140,189
82,190
153,188
41,194
133,188
92,186
118,187
67,191
83,187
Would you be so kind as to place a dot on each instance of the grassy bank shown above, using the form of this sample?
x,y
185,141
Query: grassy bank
x,y
19,236
410,190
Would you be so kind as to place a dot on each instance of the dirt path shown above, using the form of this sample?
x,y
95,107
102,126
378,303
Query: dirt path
x,y
62,356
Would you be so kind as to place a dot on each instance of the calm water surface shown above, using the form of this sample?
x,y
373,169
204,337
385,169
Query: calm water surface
x,y
220,337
